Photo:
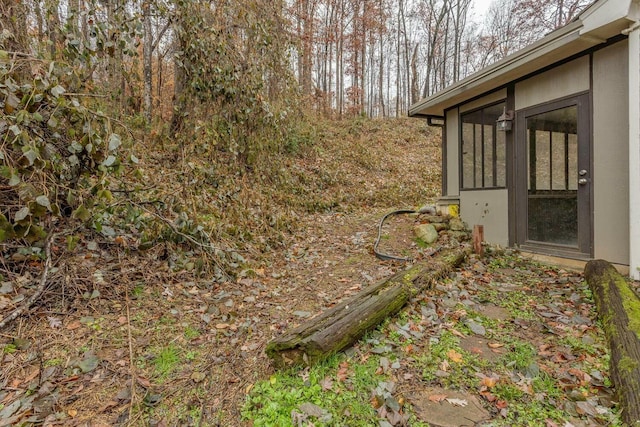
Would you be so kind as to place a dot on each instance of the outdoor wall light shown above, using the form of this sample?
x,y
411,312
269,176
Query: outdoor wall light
x,y
505,121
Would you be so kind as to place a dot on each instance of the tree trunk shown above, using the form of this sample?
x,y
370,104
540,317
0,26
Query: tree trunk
x,y
147,58
343,324
619,311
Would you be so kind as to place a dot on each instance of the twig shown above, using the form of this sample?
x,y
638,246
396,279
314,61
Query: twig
x,y
88,95
113,119
151,187
39,290
22,55
191,239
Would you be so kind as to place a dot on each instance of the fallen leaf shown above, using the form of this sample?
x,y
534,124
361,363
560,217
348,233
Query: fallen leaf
x,y
72,412
457,402
495,345
501,404
490,397
143,382
89,362
222,325
457,333
437,398
376,401
454,356
54,322
489,382
74,325
343,371
326,383
198,376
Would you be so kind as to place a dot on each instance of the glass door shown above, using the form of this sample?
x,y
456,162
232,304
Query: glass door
x,y
555,179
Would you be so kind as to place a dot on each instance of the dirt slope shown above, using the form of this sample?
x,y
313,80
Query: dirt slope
x,y
128,337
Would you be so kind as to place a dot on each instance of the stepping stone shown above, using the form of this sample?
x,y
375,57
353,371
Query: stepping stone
x,y
494,312
461,409
480,347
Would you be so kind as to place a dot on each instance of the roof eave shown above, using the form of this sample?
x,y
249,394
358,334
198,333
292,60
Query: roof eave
x,y
557,45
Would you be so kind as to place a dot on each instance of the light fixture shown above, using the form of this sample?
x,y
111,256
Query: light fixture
x,y
505,121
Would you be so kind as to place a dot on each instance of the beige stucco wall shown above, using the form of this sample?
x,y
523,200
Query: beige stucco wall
x,y
483,207
453,153
565,80
496,96
611,153
490,209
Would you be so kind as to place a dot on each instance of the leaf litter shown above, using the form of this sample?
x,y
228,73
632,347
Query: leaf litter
x,y
114,312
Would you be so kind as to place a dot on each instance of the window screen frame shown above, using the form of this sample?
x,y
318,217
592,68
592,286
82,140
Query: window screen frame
x,y
479,161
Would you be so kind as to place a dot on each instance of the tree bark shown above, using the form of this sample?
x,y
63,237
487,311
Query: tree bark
x,y
619,311
147,59
343,324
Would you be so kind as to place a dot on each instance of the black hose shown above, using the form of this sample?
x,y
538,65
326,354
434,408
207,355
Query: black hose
x,y
387,257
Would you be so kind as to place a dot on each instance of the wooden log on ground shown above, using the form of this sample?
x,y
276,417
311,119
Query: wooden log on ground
x,y
619,311
345,323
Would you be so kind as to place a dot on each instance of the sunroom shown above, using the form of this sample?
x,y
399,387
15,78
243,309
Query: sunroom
x,y
543,147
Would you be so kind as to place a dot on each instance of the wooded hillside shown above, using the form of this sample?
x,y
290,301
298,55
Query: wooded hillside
x,y
88,88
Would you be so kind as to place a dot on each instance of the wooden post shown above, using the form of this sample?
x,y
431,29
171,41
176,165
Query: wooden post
x,y
619,311
478,238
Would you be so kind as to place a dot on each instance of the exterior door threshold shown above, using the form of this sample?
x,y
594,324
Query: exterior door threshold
x,y
567,263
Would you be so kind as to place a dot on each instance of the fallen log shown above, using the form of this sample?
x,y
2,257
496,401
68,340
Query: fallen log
x,y
619,311
343,324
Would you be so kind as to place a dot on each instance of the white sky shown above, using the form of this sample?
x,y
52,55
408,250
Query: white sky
x,y
479,9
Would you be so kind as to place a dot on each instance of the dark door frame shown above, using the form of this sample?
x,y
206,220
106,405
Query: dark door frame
x,y
585,193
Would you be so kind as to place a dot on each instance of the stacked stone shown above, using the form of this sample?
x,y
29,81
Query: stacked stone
x,y
443,229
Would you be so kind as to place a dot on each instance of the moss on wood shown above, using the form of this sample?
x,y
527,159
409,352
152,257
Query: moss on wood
x,y
619,311
345,323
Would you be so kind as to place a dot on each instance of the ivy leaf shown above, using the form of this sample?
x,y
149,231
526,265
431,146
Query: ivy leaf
x,y
114,142
14,180
52,122
109,161
57,90
43,201
75,147
31,156
21,214
81,213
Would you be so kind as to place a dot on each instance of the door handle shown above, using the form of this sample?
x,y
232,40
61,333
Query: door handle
x,y
583,181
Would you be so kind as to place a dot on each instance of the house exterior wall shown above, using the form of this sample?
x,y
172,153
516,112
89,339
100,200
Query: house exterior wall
x,y
489,99
488,208
605,74
611,153
567,79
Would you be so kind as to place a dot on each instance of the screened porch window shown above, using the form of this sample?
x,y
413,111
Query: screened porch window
x,y
483,149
